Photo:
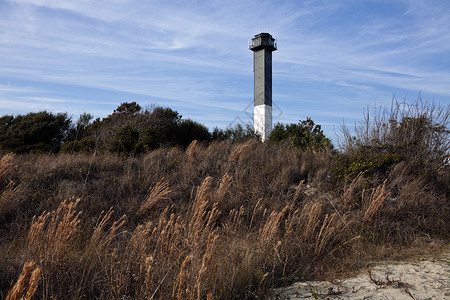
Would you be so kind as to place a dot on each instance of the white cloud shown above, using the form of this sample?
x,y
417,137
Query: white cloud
x,y
194,54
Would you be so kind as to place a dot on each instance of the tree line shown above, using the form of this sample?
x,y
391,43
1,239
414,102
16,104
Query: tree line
x,y
130,129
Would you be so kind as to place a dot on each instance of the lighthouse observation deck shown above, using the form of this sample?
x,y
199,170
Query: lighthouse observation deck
x,y
263,40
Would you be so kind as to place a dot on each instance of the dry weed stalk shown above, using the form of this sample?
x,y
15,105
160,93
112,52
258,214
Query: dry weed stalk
x,y
234,221
348,196
238,150
5,165
168,235
211,217
297,191
53,239
149,276
152,253
311,212
140,240
383,283
206,263
270,229
256,210
199,208
290,222
158,193
183,288
36,232
97,235
326,232
192,152
224,185
7,196
158,240
26,282
182,280
376,200
100,241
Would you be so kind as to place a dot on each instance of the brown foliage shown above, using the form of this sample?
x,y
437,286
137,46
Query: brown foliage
x,y
26,284
217,223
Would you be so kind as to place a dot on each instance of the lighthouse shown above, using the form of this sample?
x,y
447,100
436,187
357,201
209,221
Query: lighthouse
x,y
262,45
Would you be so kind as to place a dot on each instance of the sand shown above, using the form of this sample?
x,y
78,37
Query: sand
x,y
424,278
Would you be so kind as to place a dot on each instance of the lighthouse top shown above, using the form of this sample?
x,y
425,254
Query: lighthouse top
x,y
263,40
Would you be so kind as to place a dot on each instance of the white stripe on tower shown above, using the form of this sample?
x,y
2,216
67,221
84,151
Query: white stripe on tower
x,y
262,118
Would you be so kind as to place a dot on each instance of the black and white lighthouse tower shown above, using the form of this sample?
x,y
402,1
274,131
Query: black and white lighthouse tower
x,y
262,46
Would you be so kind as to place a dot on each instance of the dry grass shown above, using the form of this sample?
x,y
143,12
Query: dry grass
x,y
26,284
374,202
8,188
239,149
222,191
219,225
52,235
311,212
158,193
192,152
5,165
350,190
7,198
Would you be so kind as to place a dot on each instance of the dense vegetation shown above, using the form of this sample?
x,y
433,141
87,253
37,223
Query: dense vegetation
x,y
211,221
131,130
128,130
305,135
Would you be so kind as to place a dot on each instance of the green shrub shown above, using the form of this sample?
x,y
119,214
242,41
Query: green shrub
x,y
189,130
34,132
417,134
235,134
304,135
125,141
87,144
349,166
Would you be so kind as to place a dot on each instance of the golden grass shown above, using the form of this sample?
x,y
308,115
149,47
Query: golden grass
x,y
5,165
7,196
327,231
375,201
298,191
199,209
26,284
158,193
193,152
348,196
233,228
101,240
224,186
311,212
54,233
271,228
239,149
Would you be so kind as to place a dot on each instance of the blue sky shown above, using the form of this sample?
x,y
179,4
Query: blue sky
x,y
334,58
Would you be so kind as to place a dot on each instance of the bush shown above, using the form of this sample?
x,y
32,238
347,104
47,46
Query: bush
x,y
34,132
189,130
236,134
304,135
125,140
417,134
87,144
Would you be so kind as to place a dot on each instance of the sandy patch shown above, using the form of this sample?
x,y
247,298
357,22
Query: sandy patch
x,y
426,278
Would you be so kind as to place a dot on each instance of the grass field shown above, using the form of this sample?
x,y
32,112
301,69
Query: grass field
x,y
218,221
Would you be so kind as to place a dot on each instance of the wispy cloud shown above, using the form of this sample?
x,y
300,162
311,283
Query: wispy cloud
x,y
193,55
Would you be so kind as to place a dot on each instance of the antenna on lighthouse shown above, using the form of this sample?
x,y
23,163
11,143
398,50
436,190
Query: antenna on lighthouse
x,y
262,45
